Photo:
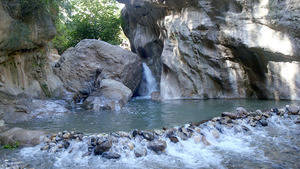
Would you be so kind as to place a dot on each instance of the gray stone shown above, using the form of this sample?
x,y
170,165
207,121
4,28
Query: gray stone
x,y
112,95
147,135
140,152
293,109
157,146
110,155
103,147
22,136
83,67
173,139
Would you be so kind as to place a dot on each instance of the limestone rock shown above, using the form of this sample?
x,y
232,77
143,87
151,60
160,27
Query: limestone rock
x,y
112,95
82,67
207,49
22,136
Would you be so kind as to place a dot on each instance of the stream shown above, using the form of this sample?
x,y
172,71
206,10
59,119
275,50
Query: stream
x,y
274,146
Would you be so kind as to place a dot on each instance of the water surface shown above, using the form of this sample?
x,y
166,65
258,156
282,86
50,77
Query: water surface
x,y
146,114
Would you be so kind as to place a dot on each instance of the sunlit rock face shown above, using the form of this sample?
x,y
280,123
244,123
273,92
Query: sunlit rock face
x,y
213,49
24,65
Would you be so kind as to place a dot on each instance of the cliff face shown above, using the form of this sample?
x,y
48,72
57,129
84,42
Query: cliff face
x,y
213,49
24,37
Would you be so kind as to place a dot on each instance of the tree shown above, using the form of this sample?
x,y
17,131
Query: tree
x,y
88,19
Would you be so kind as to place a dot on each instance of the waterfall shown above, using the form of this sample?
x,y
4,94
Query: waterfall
x,y
148,84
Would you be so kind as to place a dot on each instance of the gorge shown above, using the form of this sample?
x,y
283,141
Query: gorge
x,y
206,84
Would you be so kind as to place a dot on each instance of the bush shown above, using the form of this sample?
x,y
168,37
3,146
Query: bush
x,y
89,19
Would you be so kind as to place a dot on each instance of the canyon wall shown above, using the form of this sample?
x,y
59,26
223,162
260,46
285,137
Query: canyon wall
x,y
218,49
24,51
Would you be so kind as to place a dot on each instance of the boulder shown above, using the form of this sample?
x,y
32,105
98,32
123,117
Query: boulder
x,y
103,147
293,109
112,95
22,137
140,152
157,146
110,155
84,66
27,109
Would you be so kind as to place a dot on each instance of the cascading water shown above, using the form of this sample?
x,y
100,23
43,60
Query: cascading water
x,y
148,84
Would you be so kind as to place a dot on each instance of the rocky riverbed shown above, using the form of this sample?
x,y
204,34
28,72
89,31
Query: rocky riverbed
x,y
259,139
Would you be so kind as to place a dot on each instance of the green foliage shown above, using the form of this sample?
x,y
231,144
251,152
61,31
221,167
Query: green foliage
x,y
11,146
89,19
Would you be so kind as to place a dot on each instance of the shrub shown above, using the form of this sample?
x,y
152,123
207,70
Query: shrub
x,y
89,19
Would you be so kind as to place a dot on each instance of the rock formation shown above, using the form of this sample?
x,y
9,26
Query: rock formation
x,y
213,49
111,95
90,63
24,37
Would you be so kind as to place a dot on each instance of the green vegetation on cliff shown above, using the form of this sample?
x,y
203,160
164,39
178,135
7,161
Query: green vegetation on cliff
x,y
88,19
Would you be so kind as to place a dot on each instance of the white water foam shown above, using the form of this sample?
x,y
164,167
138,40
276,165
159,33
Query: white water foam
x,y
234,148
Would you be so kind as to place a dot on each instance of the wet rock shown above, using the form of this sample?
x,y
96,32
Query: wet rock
x,y
253,123
140,152
205,142
245,128
183,136
135,133
241,111
257,118
45,148
275,110
86,154
22,136
103,147
131,146
147,135
67,135
112,95
157,146
66,144
60,146
173,139
185,131
258,111
216,134
231,115
263,122
197,139
110,155
293,109
155,96
198,130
